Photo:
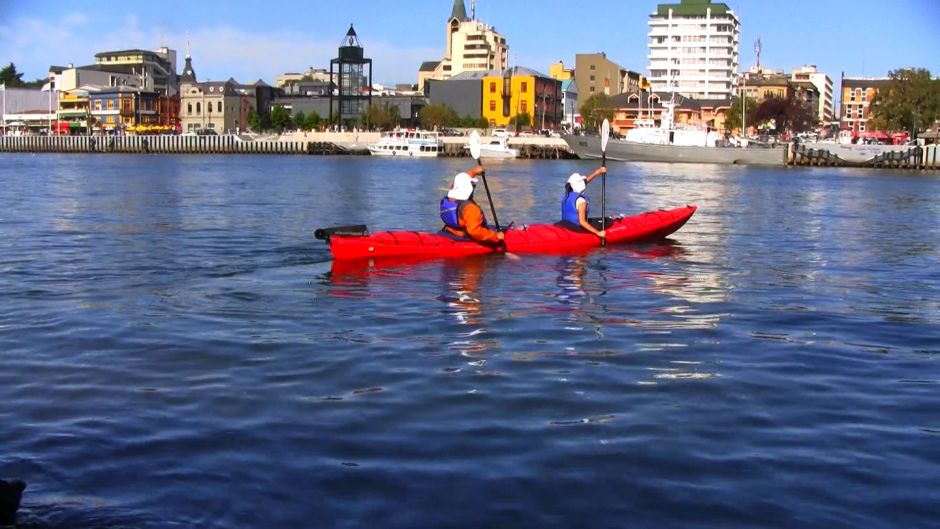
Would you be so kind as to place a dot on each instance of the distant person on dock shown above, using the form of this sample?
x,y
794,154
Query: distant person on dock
x,y
575,204
462,217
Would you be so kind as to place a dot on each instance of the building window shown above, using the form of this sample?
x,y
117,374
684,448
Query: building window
x,y
198,108
524,106
861,127
591,90
525,86
593,67
492,87
189,108
492,106
220,106
592,77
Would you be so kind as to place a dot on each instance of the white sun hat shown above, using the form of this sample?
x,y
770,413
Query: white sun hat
x,y
576,181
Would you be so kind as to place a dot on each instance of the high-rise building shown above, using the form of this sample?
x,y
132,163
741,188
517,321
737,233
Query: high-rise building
x,y
823,84
155,69
693,49
472,46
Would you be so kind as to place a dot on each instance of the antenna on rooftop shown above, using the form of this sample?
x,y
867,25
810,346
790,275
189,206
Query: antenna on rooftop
x,y
473,9
757,48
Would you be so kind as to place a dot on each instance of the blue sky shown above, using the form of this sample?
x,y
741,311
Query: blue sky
x,y
242,40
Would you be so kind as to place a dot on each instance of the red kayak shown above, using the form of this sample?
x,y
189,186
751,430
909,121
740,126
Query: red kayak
x,y
354,242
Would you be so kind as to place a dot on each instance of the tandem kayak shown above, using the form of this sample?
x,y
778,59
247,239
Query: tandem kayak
x,y
354,242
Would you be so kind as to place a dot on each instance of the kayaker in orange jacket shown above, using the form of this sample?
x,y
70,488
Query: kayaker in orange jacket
x,y
461,215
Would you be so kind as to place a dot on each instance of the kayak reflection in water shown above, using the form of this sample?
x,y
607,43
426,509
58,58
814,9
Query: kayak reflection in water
x,y
575,204
462,216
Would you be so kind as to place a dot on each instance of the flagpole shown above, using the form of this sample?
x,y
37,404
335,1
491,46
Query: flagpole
x,y
4,87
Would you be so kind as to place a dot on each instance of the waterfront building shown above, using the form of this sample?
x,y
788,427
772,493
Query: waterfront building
x,y
823,85
26,109
571,118
122,108
353,92
520,91
74,110
221,106
470,46
558,71
693,49
462,92
155,69
856,96
321,75
594,74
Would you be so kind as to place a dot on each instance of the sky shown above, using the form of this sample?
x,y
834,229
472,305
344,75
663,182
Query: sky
x,y
251,40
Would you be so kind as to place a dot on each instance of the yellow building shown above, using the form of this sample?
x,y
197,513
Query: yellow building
x,y
558,71
522,91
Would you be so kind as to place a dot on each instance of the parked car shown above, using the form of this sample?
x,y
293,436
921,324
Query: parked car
x,y
500,133
206,132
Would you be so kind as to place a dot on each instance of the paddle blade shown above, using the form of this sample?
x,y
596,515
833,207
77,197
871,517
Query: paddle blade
x,y
475,145
605,135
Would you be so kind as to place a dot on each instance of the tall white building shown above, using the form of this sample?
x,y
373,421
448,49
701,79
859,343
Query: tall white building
x,y
472,46
823,83
693,49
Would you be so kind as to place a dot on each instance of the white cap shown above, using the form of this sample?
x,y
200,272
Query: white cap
x,y
463,187
576,181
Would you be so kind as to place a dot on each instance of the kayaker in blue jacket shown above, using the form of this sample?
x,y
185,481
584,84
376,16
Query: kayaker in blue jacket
x,y
575,204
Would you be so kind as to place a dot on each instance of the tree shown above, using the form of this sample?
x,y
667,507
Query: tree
x,y
733,117
595,110
313,121
280,118
11,77
779,114
437,116
911,101
384,116
521,120
299,120
254,120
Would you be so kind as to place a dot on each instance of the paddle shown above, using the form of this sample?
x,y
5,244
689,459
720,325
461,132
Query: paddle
x,y
475,153
605,135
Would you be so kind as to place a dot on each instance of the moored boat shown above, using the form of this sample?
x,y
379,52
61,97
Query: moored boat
x,y
410,143
497,148
354,242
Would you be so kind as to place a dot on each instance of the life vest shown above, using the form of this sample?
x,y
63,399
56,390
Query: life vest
x,y
569,208
450,213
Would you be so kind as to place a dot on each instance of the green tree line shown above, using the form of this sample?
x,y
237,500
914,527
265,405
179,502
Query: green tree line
x,y
910,102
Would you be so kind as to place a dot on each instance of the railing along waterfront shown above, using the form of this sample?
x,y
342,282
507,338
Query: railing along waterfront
x,y
222,144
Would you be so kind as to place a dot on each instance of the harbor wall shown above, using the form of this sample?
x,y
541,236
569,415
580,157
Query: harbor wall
x,y
798,154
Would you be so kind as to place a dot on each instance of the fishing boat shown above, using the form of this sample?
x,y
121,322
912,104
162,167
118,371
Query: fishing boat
x,y
356,242
409,143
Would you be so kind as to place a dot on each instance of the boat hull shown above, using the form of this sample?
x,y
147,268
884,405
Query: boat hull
x,y
541,238
589,147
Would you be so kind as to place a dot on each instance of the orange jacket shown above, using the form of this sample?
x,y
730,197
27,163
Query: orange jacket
x,y
471,220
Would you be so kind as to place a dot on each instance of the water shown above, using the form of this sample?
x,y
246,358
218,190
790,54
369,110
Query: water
x,y
176,351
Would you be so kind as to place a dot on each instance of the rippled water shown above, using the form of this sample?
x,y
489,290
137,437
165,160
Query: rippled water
x,y
177,350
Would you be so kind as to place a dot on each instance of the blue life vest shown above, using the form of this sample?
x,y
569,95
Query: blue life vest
x,y
569,208
449,212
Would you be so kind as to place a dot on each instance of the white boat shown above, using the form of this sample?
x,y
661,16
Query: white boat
x,y
498,148
411,143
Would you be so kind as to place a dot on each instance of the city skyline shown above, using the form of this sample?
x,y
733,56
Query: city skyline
x,y
857,38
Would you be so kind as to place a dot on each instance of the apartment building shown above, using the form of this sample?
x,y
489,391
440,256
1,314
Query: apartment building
x,y
471,46
693,49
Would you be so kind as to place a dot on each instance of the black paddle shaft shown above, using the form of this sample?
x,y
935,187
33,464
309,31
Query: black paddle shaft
x,y
488,197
